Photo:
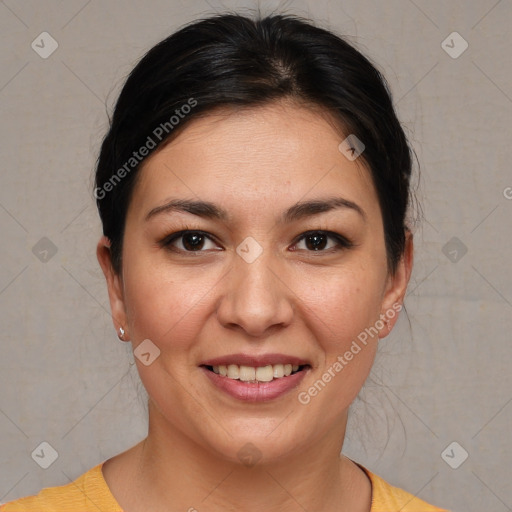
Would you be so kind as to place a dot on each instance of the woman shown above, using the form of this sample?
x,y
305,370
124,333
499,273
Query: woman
x,y
253,189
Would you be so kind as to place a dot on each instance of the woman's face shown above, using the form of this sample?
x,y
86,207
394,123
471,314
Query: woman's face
x,y
284,263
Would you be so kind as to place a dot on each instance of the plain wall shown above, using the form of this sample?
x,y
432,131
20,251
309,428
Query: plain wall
x,y
443,377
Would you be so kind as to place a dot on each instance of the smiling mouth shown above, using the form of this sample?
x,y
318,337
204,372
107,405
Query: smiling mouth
x,y
253,374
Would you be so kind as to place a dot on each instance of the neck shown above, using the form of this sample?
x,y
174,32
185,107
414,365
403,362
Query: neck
x,y
170,467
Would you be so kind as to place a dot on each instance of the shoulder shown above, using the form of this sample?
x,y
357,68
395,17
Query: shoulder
x,y
89,492
386,498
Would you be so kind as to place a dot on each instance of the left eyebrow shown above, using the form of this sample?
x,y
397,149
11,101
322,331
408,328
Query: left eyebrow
x,y
296,212
304,209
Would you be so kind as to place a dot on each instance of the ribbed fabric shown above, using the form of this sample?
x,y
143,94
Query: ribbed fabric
x,y
386,498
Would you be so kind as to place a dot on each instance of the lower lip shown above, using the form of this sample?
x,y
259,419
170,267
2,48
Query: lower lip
x,y
255,391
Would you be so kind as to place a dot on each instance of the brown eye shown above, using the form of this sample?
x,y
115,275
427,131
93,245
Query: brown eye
x,y
319,241
193,241
316,242
189,241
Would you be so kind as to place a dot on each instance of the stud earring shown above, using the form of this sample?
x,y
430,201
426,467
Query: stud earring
x,y
121,333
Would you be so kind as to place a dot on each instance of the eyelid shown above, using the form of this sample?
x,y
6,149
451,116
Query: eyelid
x,y
176,235
341,241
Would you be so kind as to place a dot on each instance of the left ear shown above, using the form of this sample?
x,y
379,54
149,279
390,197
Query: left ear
x,y
392,301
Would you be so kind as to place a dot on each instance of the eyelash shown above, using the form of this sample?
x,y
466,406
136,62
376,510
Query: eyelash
x,y
341,241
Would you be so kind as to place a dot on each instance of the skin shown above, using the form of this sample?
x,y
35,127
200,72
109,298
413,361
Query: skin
x,y
293,300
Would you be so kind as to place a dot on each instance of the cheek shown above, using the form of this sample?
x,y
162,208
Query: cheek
x,y
342,311
340,304
166,306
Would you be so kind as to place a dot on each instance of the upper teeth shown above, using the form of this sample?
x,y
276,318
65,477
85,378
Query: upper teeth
x,y
261,373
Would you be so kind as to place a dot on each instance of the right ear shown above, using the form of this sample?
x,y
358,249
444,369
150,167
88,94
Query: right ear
x,y
114,285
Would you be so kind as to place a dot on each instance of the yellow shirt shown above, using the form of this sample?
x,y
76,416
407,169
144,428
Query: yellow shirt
x,y
90,493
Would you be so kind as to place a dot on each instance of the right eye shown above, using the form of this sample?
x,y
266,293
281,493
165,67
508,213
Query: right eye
x,y
189,241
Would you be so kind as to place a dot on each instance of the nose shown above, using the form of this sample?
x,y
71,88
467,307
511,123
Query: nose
x,y
255,298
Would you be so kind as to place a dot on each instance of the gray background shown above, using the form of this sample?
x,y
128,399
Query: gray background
x,y
67,380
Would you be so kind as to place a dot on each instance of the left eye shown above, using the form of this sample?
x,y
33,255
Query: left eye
x,y
318,241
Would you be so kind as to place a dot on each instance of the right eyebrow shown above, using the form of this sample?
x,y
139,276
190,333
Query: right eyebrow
x,y
204,209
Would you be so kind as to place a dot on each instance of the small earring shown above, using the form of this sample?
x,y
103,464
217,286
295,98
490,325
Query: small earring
x,y
121,333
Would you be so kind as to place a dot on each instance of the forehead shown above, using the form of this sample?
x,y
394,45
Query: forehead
x,y
273,155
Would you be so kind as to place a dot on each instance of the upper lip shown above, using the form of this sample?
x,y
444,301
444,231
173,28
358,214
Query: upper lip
x,y
254,361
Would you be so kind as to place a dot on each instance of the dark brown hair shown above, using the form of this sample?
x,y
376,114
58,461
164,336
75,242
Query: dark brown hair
x,y
232,60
